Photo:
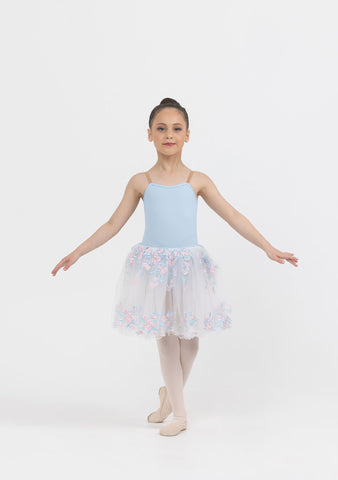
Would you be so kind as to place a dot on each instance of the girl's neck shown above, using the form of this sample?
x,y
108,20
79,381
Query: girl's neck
x,y
168,167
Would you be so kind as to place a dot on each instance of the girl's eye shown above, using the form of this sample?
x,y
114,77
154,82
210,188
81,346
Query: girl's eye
x,y
161,128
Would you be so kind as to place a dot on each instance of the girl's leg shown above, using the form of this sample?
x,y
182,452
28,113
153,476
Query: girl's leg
x,y
169,348
188,352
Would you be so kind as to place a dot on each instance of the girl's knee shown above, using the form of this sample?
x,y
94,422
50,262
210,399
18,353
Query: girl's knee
x,y
192,344
195,344
168,342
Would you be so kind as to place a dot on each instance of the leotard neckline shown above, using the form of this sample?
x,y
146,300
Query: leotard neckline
x,y
169,186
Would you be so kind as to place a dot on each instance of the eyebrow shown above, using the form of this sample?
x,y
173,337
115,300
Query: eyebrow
x,y
161,123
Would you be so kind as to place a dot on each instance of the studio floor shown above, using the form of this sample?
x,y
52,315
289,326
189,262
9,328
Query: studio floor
x,y
291,439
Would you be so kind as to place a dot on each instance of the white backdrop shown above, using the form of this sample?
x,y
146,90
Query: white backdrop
x,y
78,83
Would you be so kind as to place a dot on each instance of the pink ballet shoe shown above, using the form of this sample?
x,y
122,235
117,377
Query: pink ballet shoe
x,y
163,411
177,425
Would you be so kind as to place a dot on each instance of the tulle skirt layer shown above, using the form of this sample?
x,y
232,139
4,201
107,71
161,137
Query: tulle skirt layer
x,y
163,291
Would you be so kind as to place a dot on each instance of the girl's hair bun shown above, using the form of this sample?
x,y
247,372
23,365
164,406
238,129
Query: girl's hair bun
x,y
168,102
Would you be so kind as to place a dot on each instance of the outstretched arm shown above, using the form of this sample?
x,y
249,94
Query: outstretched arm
x,y
109,229
119,218
239,222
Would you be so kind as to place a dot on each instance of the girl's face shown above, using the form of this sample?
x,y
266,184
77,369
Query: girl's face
x,y
168,127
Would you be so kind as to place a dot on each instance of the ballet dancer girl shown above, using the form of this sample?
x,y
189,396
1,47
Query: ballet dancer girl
x,y
168,288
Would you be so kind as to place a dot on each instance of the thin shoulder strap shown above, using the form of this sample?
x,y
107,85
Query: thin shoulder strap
x,y
148,176
190,176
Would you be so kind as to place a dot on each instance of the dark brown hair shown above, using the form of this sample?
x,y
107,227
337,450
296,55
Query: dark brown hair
x,y
168,102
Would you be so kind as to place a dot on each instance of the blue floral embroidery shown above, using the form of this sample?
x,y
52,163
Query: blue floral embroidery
x,y
162,263
146,325
169,265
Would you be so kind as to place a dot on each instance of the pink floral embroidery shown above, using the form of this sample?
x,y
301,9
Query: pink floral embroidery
x,y
148,325
156,325
156,258
163,269
169,268
163,263
208,324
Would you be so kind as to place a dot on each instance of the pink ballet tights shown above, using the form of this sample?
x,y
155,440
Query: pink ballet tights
x,y
177,356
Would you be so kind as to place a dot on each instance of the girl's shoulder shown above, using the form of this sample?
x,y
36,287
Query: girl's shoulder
x,y
203,182
138,183
199,181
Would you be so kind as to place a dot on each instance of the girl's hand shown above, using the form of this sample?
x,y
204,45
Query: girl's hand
x,y
66,262
278,256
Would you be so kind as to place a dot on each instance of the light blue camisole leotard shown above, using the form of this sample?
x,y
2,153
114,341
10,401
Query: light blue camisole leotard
x,y
170,215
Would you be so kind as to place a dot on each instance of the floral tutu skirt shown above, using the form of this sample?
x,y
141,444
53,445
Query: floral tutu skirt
x,y
163,291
